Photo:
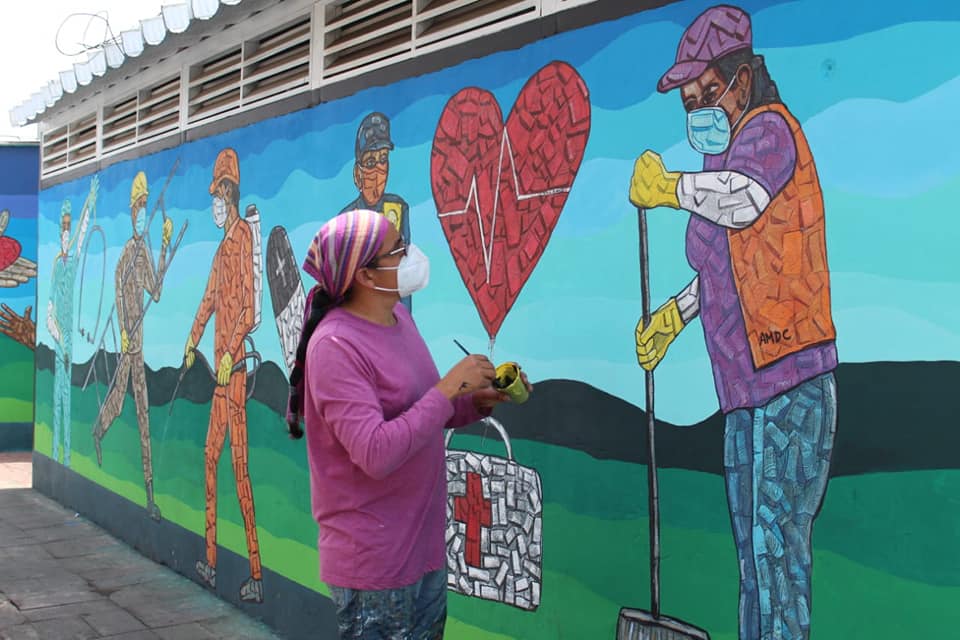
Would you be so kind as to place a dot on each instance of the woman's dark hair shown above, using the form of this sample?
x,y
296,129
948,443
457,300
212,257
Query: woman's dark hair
x,y
319,307
763,88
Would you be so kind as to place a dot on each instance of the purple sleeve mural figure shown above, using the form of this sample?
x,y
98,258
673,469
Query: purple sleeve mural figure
x,y
756,239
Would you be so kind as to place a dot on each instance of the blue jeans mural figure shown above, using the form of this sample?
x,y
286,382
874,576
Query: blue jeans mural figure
x,y
776,460
60,319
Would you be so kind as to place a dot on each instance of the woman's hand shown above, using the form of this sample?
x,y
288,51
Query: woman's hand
x,y
486,399
470,375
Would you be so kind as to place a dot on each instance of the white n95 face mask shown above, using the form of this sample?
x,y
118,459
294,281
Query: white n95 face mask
x,y
219,212
413,272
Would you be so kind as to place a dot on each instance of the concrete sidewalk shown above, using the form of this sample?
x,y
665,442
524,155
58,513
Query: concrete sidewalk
x,y
62,577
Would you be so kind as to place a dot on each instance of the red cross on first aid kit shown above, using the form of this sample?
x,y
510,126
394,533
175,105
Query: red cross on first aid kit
x,y
494,526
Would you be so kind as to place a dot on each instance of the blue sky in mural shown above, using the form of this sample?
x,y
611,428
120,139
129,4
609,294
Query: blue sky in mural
x,y
865,83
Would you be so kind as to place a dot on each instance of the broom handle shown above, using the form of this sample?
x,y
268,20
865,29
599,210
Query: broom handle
x,y
653,489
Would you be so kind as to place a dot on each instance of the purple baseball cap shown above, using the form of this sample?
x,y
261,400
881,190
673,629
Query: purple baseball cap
x,y
715,33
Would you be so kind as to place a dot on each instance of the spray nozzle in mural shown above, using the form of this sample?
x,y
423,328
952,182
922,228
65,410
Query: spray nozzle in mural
x,y
500,186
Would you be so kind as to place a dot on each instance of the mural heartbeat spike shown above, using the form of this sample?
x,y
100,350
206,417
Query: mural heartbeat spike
x,y
542,142
472,199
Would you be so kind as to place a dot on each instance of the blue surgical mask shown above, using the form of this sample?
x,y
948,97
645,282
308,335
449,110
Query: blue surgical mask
x,y
140,221
708,128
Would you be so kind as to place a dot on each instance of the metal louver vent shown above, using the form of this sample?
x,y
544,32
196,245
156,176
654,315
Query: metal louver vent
x,y
442,20
362,34
277,63
159,109
150,113
120,125
55,149
82,140
215,85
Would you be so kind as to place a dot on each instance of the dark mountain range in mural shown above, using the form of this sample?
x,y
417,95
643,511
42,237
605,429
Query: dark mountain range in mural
x,y
893,416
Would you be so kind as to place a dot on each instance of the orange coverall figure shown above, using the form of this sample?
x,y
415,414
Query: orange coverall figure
x,y
229,295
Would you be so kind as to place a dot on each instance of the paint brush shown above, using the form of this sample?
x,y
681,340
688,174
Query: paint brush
x,y
462,348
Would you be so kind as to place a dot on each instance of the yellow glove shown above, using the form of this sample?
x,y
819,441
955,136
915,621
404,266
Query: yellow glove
x,y
225,369
652,185
167,231
188,354
124,341
652,341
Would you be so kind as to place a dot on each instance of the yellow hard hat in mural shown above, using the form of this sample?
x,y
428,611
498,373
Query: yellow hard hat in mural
x,y
139,187
226,167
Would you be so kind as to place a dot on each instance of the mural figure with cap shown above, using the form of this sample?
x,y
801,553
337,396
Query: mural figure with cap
x,y
230,295
60,317
756,238
370,172
135,274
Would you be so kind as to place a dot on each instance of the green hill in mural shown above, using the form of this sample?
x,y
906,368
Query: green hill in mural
x,y
892,415
883,565
16,372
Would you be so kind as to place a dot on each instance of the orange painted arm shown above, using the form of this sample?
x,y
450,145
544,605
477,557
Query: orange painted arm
x,y
206,303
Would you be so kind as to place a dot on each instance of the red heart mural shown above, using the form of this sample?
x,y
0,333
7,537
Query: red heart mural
x,y
500,189
9,252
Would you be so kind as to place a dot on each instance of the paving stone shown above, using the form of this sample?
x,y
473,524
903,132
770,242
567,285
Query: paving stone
x,y
20,632
81,546
82,609
17,570
23,553
108,581
114,622
238,627
34,600
74,628
10,616
143,634
192,631
71,530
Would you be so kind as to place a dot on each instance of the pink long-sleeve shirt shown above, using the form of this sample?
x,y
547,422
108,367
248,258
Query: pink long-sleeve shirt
x,y
375,423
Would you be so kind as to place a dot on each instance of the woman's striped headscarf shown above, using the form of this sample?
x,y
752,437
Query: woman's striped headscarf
x,y
343,245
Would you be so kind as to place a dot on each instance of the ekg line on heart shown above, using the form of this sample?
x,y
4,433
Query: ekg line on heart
x,y
506,148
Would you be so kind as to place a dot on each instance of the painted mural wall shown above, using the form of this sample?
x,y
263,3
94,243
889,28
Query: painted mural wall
x,y
797,167
19,184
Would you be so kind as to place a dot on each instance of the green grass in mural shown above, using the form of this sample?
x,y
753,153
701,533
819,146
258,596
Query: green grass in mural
x,y
884,566
16,374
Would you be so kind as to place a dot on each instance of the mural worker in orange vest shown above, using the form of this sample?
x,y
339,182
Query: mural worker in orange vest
x,y
229,295
756,239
